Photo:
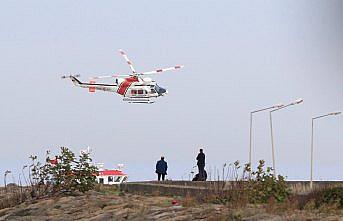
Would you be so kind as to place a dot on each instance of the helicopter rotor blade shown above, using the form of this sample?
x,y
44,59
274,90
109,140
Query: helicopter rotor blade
x,y
127,61
109,76
163,70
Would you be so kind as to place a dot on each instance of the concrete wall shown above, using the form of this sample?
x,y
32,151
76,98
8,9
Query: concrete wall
x,y
182,188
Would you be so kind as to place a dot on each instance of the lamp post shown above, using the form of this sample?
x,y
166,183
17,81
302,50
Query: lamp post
x,y
250,140
314,118
6,172
298,101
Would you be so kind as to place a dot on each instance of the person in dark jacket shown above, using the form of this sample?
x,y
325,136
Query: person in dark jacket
x,y
161,169
201,164
197,178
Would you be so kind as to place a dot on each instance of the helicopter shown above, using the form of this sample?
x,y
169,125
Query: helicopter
x,y
134,87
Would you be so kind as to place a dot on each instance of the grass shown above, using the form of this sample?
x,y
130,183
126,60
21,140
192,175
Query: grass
x,y
189,201
107,190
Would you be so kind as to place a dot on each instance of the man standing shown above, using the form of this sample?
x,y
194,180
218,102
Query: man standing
x,y
161,168
201,164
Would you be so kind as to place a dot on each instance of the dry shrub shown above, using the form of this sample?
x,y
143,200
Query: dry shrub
x,y
156,193
309,205
98,187
288,205
210,198
189,201
324,199
129,206
107,189
236,214
143,210
15,195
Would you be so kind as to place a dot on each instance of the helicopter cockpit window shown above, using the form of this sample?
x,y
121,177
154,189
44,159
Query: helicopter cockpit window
x,y
160,90
157,88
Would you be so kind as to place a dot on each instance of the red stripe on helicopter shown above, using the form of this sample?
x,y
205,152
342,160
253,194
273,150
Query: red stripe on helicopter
x,y
91,89
126,84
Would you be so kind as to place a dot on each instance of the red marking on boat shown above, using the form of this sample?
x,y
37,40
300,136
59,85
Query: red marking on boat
x,y
111,173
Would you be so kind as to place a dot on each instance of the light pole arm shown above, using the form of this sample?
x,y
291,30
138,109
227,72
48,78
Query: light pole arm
x,y
282,107
325,115
268,108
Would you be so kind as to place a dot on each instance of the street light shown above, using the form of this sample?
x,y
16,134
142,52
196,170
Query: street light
x,y
6,172
298,101
314,118
251,115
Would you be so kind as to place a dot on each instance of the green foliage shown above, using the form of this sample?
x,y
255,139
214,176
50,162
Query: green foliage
x,y
330,197
248,186
63,173
66,174
262,185
85,173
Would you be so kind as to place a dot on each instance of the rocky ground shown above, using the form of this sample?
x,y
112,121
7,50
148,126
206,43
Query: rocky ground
x,y
119,206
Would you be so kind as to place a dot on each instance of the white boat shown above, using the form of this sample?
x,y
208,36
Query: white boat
x,y
111,176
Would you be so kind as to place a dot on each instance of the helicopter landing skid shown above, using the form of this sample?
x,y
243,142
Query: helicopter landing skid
x,y
139,100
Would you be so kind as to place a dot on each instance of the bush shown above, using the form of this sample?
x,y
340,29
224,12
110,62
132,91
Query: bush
x,y
330,197
63,174
263,185
85,173
247,186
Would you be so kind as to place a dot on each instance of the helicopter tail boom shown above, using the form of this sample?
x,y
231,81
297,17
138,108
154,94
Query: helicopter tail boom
x,y
92,86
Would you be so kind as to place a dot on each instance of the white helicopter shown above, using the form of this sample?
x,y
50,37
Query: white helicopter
x,y
134,87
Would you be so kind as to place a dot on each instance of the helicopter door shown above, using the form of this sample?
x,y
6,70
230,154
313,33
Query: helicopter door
x,y
142,93
138,93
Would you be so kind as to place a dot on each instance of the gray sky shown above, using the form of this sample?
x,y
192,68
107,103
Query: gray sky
x,y
238,56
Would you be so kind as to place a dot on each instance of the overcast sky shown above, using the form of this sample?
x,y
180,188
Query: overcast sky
x,y
238,55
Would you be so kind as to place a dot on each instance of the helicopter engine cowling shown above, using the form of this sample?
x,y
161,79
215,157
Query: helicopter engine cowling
x,y
119,80
147,80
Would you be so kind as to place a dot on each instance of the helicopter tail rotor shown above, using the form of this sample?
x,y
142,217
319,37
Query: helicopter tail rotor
x,y
70,76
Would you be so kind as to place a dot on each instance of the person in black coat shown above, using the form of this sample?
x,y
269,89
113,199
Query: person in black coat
x,y
161,169
201,164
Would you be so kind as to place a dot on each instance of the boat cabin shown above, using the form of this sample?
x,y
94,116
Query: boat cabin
x,y
111,177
